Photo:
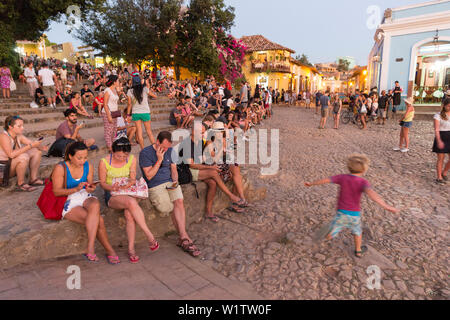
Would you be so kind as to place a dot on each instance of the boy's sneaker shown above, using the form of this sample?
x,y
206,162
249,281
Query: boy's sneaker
x,y
396,149
404,150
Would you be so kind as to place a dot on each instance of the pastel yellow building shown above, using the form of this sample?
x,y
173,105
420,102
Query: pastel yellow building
x,y
270,65
58,51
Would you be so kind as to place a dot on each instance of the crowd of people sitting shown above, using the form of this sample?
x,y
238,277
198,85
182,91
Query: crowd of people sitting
x,y
223,118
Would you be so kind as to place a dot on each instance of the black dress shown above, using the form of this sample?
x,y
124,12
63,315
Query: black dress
x,y
397,97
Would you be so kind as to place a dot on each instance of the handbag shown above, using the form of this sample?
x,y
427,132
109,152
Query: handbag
x,y
50,205
5,166
12,85
139,190
116,114
363,109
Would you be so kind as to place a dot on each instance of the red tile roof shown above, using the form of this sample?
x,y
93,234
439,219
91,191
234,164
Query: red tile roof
x,y
259,43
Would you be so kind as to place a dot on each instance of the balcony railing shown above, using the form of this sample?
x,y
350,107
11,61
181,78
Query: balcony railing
x,y
271,66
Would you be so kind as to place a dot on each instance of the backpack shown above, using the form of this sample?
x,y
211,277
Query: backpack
x,y
58,148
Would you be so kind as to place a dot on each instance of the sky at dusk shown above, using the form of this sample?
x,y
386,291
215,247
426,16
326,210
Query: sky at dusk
x,y
321,29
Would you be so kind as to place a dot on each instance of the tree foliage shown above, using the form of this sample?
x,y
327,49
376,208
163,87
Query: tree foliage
x,y
28,19
164,31
132,29
343,65
303,59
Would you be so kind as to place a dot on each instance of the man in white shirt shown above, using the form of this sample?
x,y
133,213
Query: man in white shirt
x,y
48,78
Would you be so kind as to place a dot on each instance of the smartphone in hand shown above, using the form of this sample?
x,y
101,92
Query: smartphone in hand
x,y
173,186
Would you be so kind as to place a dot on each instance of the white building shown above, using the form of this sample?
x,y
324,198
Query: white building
x,y
412,46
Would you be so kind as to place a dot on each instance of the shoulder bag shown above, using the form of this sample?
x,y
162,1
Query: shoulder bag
x,y
50,205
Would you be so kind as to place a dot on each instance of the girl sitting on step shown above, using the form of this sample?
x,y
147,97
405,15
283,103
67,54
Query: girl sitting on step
x,y
121,164
81,206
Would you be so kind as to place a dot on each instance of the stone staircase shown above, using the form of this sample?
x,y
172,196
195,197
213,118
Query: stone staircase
x,y
26,237
43,122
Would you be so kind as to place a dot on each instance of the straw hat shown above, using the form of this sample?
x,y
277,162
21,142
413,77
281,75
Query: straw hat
x,y
218,126
409,101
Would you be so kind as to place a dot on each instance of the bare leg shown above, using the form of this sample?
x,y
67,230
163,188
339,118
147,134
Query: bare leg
x,y
179,215
440,164
131,231
406,137
212,188
139,135
35,161
212,174
358,242
148,129
237,180
447,168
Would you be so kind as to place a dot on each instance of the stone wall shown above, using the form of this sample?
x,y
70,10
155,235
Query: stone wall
x,y
54,239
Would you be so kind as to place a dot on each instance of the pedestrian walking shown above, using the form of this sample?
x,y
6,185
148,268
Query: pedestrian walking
x,y
441,144
406,125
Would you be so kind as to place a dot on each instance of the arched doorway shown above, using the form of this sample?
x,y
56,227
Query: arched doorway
x,y
430,71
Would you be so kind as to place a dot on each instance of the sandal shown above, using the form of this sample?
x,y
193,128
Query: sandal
x,y
154,246
440,181
114,260
236,209
242,203
90,257
359,254
36,183
214,219
133,257
189,247
25,188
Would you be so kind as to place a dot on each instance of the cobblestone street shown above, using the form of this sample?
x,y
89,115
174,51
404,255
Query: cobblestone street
x,y
271,246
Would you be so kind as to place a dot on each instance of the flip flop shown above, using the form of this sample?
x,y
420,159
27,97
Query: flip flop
x,y
35,184
91,257
236,210
22,188
114,260
134,258
212,218
359,254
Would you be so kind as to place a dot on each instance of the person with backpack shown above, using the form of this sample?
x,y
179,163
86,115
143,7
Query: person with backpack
x,y
68,132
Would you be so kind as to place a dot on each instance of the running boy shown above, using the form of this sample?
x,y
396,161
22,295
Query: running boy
x,y
352,187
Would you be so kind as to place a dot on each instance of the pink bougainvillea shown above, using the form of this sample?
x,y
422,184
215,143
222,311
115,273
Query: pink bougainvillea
x,y
231,55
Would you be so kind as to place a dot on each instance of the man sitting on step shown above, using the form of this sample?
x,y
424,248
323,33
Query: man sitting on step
x,y
68,132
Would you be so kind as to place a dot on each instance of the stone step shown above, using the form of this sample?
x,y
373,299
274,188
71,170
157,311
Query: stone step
x,y
59,117
21,106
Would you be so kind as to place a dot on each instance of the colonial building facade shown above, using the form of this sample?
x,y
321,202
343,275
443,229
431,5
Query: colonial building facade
x,y
412,46
269,64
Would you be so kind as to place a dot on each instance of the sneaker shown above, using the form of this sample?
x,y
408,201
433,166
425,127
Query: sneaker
x,y
404,150
396,149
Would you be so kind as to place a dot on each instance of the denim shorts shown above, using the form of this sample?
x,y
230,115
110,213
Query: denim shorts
x,y
407,124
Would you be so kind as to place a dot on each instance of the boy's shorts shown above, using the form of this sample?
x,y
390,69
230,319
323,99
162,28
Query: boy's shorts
x,y
342,221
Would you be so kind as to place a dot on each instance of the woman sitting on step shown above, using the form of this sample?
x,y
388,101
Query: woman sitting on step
x,y
122,164
81,206
75,103
24,154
